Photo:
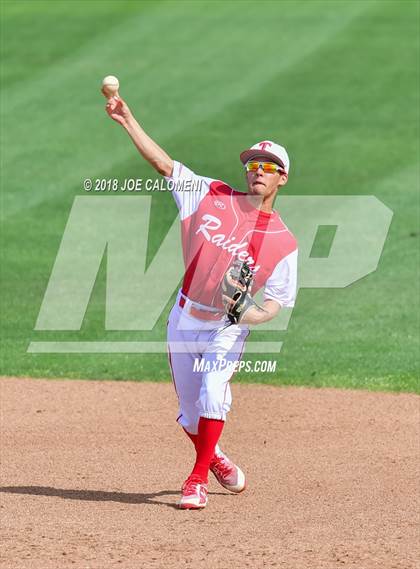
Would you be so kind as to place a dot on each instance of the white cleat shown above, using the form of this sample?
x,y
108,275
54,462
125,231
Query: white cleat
x,y
227,473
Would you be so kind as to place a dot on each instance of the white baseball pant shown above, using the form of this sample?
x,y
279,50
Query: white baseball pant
x,y
202,392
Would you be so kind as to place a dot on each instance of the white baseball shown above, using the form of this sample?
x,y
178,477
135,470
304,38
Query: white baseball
x,y
110,85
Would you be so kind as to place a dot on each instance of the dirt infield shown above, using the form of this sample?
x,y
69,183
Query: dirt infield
x,y
91,473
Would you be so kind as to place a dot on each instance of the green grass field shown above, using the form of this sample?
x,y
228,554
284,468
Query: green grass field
x,y
336,81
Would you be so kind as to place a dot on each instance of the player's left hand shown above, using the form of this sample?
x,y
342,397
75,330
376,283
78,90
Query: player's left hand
x,y
236,287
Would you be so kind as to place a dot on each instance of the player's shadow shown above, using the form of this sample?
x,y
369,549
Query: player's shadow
x,y
98,495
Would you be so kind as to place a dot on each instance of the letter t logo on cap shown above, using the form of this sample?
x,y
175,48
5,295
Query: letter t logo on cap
x,y
263,145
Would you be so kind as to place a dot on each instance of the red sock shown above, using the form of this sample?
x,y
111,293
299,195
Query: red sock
x,y
209,431
194,438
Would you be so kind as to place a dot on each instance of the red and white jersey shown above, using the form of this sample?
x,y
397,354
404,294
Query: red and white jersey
x,y
218,226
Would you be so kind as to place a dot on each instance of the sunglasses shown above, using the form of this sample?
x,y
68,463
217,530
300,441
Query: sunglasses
x,y
267,167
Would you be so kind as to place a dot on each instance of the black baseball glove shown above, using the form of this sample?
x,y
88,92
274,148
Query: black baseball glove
x,y
236,287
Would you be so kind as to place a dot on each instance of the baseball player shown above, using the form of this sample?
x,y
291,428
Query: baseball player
x,y
232,241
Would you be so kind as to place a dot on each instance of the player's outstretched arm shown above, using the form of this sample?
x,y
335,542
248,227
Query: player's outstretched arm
x,y
119,111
